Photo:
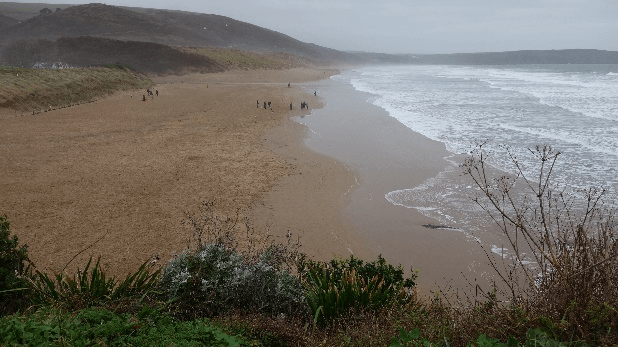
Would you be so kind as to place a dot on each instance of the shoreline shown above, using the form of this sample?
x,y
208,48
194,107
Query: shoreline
x,y
385,155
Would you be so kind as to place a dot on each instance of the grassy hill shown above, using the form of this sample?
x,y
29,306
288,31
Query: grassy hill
x,y
98,20
84,51
176,28
36,89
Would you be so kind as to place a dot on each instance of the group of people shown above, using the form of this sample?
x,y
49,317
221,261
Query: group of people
x,y
149,92
267,104
257,105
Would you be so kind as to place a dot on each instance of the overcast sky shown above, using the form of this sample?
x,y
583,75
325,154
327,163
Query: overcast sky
x,y
421,26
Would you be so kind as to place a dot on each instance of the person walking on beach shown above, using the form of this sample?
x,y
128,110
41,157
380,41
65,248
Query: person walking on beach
x,y
290,106
264,104
315,93
257,104
157,92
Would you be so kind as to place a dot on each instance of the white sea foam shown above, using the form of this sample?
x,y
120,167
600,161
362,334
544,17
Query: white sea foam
x,y
505,254
573,108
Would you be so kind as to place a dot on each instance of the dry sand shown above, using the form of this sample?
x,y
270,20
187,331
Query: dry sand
x,y
127,172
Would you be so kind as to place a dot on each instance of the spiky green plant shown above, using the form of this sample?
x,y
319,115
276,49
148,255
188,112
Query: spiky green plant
x,y
332,291
91,286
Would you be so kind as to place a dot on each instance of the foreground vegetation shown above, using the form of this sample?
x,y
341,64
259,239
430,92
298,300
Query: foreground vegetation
x,y
37,90
95,326
228,292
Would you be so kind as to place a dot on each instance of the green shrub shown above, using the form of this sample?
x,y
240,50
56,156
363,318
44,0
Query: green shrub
x,y
101,327
216,279
12,268
334,288
91,286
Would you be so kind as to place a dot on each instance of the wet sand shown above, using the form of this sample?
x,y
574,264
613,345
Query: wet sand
x,y
385,156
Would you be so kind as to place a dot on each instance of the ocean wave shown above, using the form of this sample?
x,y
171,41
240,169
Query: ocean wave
x,y
574,111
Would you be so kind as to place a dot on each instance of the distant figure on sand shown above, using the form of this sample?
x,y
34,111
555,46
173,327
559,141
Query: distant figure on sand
x,y
269,106
157,92
315,93
288,85
257,104
143,97
290,105
264,104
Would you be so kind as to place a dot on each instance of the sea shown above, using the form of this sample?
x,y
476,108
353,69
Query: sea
x,y
572,108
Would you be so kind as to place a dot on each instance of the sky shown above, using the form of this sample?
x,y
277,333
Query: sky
x,y
420,26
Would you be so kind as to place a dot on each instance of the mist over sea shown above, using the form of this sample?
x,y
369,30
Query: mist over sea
x,y
573,108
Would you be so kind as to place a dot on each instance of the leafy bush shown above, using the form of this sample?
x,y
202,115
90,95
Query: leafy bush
x,y
91,286
101,327
215,279
12,268
336,287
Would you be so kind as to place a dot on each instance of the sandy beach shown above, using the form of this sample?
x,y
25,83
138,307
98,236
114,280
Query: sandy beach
x,y
127,172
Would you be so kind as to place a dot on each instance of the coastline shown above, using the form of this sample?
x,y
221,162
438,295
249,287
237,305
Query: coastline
x,y
384,156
